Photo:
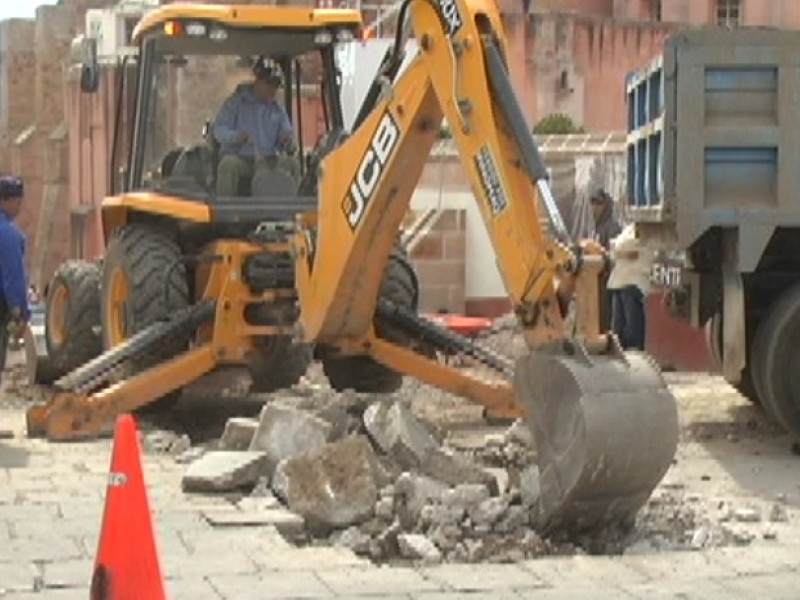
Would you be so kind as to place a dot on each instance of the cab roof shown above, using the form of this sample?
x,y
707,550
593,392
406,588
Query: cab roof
x,y
248,19
254,16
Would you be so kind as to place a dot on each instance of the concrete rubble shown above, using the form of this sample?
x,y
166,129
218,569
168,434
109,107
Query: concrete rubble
x,y
366,473
388,478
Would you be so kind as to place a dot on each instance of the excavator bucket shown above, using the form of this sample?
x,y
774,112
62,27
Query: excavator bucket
x,y
605,430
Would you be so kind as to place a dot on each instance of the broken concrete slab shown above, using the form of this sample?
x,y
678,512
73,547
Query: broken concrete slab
x,y
284,432
398,433
331,487
448,467
224,471
529,487
238,433
416,546
414,491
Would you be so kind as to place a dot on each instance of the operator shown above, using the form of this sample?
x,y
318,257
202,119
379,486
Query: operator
x,y
606,227
252,127
14,311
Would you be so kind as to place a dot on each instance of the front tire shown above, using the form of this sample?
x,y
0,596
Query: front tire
x,y
143,282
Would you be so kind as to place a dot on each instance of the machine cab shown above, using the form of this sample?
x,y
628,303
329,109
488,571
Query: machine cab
x,y
196,88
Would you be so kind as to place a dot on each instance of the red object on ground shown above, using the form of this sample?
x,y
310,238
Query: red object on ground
x,y
673,342
126,566
460,324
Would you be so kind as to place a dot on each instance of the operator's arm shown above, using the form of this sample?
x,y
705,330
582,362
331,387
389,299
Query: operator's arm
x,y
285,132
225,130
15,289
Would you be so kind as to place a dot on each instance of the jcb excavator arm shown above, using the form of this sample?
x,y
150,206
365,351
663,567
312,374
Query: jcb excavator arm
x,y
604,424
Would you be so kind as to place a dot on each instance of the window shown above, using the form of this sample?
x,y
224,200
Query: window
x,y
729,13
655,10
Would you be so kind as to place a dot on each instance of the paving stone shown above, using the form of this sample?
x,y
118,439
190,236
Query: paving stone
x,y
286,522
373,581
69,574
54,594
466,577
16,576
222,471
295,585
208,561
191,589
705,589
52,548
263,539
592,570
320,557
677,565
755,560
238,433
496,595
775,586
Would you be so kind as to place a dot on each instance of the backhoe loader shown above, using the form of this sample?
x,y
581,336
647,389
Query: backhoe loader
x,y
192,281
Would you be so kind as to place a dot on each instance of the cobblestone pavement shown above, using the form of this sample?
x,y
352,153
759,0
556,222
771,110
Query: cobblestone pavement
x,y
51,501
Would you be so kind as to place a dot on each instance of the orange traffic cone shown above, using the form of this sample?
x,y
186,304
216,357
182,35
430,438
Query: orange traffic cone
x,y
126,566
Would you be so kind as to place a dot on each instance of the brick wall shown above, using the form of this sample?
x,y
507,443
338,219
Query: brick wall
x,y
439,260
17,89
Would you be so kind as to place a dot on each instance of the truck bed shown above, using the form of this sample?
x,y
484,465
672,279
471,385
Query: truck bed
x,y
714,138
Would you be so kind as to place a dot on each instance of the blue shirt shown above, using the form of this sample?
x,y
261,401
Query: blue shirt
x,y
13,282
266,122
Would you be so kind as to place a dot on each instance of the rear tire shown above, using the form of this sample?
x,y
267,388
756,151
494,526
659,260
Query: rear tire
x,y
363,373
746,386
778,362
278,363
72,317
142,262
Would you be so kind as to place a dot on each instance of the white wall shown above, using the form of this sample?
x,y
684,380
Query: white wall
x,y
359,62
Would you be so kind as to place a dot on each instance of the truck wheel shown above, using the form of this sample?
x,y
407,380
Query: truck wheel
x,y
278,363
72,316
362,373
141,262
746,386
778,362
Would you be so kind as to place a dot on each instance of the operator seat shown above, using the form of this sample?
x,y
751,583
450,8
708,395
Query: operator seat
x,y
273,182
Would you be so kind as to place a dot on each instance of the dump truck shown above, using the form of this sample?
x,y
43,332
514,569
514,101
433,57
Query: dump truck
x,y
303,261
713,138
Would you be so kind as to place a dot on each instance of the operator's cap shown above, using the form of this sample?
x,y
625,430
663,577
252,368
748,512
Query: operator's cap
x,y
266,69
11,187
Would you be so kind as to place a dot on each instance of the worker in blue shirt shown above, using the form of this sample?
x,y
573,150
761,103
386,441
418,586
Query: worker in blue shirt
x,y
14,311
252,127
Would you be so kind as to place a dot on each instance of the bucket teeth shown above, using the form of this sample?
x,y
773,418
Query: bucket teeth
x,y
605,430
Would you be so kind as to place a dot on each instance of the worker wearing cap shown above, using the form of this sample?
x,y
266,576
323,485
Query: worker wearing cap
x,y
251,128
14,311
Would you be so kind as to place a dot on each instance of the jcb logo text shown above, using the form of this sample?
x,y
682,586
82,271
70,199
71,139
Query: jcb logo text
x,y
371,169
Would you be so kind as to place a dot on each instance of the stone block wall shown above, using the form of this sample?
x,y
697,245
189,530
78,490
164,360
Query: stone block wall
x,y
439,258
